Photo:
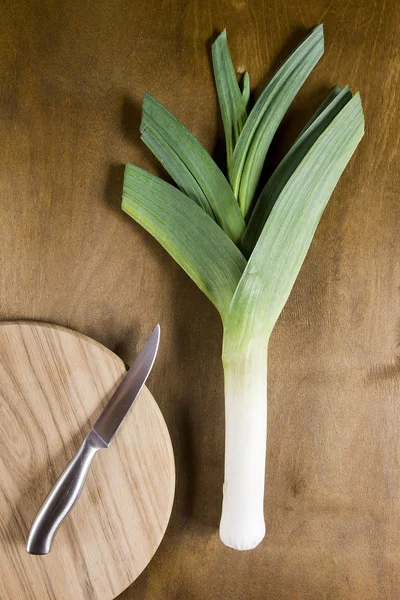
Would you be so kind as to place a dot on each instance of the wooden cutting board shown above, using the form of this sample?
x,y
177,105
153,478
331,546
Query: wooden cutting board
x,y
53,385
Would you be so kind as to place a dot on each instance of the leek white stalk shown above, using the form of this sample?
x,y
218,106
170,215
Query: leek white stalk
x,y
242,522
245,252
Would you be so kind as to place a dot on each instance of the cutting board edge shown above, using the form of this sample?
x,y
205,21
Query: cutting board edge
x,y
74,332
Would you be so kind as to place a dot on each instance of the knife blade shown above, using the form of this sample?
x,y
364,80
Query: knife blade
x,y
112,416
68,487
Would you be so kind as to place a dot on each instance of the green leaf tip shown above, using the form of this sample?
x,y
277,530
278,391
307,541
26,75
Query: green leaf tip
x,y
257,133
231,100
246,87
190,165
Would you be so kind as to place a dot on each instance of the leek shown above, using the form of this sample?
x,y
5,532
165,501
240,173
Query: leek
x,y
247,271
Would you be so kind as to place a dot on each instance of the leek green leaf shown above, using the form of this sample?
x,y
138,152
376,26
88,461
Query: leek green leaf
x,y
266,115
175,167
190,165
318,123
280,251
231,100
246,88
190,236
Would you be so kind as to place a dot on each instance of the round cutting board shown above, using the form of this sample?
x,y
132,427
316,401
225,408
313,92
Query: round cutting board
x,y
53,385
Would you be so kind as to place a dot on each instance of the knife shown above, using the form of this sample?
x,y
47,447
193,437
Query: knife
x,y
68,487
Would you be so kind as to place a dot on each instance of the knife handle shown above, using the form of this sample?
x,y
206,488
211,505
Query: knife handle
x,y
63,496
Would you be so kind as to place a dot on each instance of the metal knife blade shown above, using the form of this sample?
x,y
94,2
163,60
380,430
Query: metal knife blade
x,y
114,413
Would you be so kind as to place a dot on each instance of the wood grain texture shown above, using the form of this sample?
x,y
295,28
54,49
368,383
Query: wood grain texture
x,y
72,80
53,384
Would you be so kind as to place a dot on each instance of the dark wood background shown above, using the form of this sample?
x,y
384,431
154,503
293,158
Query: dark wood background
x,y
72,79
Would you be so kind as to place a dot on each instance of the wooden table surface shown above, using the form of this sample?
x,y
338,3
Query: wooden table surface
x,y
72,77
